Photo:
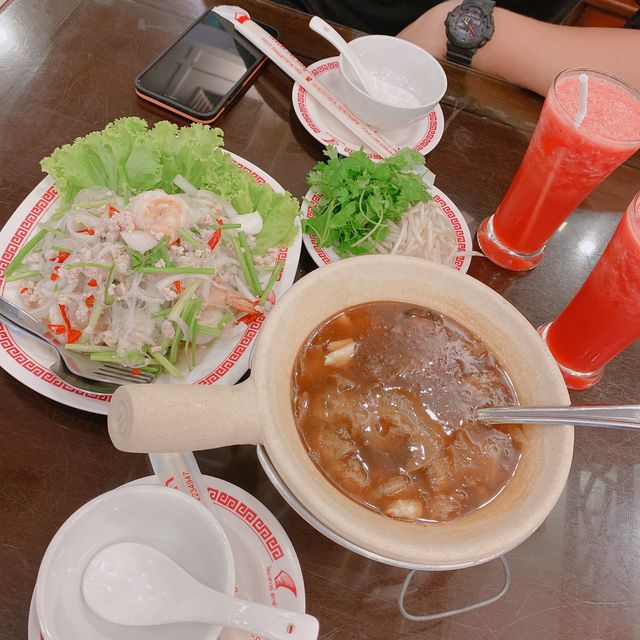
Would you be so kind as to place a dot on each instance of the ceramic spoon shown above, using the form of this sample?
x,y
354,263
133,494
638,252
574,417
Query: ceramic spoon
x,y
376,87
136,585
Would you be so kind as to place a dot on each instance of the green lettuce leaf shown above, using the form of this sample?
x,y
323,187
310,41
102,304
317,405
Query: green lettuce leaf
x,y
128,157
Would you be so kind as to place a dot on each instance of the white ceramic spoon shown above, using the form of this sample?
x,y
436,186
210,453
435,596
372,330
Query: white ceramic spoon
x,y
376,87
134,584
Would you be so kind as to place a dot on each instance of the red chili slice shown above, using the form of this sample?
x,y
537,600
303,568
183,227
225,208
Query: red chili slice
x,y
58,329
86,230
214,239
177,285
73,335
111,210
136,372
61,257
65,317
248,318
24,289
90,301
92,283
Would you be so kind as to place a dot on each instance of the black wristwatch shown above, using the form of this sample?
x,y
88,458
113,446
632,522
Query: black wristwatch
x,y
469,26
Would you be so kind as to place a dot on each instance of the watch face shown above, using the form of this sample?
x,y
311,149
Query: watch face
x,y
467,27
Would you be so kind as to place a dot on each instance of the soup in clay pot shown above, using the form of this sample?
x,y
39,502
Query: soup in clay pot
x,y
383,396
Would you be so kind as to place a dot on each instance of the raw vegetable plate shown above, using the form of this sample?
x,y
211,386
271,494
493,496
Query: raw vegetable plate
x,y
224,361
356,206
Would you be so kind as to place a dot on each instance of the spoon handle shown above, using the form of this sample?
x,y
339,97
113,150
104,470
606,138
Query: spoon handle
x,y
624,416
324,29
265,621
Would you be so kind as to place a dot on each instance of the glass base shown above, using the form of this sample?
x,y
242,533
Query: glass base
x,y
501,254
573,379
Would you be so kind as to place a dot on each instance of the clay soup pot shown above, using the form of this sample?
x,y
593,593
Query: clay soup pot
x,y
163,418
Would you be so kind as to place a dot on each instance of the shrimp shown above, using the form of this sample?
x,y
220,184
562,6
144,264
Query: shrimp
x,y
221,297
158,213
218,301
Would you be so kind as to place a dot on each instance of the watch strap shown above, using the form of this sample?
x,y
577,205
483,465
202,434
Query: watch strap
x,y
459,55
487,4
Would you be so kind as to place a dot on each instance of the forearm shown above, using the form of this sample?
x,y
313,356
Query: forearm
x,y
531,53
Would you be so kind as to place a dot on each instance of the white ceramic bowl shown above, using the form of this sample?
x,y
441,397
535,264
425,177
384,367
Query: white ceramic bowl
x,y
398,63
165,519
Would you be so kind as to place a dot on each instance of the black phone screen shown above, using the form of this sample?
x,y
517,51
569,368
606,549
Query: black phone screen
x,y
202,68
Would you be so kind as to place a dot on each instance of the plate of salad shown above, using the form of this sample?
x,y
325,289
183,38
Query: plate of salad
x,y
150,247
356,206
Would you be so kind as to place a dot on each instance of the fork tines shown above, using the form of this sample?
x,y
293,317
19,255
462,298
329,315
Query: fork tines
x,y
124,375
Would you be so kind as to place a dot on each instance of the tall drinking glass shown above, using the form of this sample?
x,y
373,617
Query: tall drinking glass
x,y
604,316
565,161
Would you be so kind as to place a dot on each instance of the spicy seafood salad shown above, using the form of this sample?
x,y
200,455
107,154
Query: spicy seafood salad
x,y
160,243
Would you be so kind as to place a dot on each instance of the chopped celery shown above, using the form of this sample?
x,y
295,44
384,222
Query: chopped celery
x,y
208,331
161,360
217,330
53,231
22,275
185,296
149,368
22,254
271,283
173,351
106,356
190,317
129,360
188,237
161,313
242,258
96,312
206,271
136,257
95,265
88,348
254,283
109,298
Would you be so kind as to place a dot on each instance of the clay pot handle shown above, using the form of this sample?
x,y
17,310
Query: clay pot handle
x,y
158,418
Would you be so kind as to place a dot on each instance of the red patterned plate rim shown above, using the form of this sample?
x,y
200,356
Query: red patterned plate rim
x,y
323,256
19,359
428,131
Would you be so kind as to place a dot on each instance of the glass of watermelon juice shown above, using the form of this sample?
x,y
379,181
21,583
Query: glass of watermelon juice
x,y
564,162
603,318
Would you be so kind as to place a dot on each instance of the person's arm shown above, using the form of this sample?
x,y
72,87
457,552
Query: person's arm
x,y
531,53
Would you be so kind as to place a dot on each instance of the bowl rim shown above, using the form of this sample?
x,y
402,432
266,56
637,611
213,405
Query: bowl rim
x,y
407,110
81,512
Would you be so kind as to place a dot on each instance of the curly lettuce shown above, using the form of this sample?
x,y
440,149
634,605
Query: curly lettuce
x,y
128,157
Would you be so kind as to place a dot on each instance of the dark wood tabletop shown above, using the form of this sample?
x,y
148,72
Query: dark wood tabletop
x,y
67,67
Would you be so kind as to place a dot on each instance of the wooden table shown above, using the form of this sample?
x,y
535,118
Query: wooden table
x,y
66,68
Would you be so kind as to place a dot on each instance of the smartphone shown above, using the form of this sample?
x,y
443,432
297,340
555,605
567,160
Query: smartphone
x,y
200,75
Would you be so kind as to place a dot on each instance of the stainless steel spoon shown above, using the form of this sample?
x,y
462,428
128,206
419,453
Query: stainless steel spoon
x,y
621,416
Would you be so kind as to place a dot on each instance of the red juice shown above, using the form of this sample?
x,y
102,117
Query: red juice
x,y
565,161
604,316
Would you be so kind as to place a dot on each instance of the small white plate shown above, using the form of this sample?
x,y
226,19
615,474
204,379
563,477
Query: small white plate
x,y
452,213
423,136
27,360
267,567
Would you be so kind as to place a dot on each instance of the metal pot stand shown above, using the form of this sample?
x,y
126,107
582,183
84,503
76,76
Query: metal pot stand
x,y
295,504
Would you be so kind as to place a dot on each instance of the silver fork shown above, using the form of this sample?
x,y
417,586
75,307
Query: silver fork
x,y
75,363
